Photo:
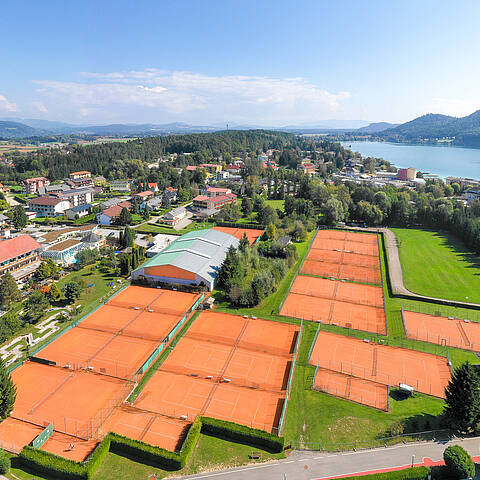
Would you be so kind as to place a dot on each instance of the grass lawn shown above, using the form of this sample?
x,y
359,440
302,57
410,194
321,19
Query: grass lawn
x,y
438,265
211,453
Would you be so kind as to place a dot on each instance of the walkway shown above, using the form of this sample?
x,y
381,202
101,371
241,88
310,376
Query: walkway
x,y
316,465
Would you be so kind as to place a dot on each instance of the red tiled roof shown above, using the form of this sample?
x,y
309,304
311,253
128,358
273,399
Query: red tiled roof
x,y
14,247
46,201
191,168
113,212
218,190
36,179
218,199
171,189
146,193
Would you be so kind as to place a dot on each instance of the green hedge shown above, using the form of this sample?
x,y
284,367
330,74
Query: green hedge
x,y
416,473
94,460
242,434
52,465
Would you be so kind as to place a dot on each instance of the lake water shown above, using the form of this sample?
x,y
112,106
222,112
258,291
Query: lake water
x,y
443,161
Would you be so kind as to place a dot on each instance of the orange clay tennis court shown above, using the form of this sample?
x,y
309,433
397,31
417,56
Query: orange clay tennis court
x,y
72,401
119,356
361,237
345,246
334,256
221,378
147,427
251,234
425,372
338,290
451,332
334,312
226,329
160,300
15,434
352,273
350,388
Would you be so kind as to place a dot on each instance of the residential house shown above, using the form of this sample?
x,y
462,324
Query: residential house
x,y
81,174
171,193
144,196
152,186
307,168
472,195
49,189
213,204
77,196
108,216
48,206
19,256
121,185
174,216
215,191
31,185
407,174
154,203
78,211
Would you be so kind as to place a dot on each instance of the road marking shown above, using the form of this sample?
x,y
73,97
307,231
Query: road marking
x,y
304,460
291,461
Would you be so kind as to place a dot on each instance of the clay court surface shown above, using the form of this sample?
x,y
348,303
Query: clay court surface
x,y
360,237
345,246
159,300
119,355
334,312
251,234
451,332
333,256
147,427
425,372
232,374
351,388
338,290
251,334
353,273
72,401
20,433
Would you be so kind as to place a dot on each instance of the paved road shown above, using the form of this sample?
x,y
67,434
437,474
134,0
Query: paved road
x,y
316,465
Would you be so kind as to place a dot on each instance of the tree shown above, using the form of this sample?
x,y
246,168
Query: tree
x,y
125,265
462,398
247,206
43,271
72,290
333,211
231,270
127,238
271,231
267,215
5,463
459,462
54,293
8,392
244,243
9,292
19,217
85,257
125,217
35,306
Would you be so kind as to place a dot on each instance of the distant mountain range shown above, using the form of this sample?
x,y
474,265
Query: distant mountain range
x,y
430,128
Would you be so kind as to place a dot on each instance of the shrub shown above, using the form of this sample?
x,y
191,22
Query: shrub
x,y
459,462
416,473
4,463
52,465
242,434
94,460
140,450
191,440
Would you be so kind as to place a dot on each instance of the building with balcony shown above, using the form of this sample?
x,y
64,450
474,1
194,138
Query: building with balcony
x,y
31,185
19,256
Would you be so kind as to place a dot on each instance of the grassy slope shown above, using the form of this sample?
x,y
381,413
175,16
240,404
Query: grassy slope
x,y
210,454
437,264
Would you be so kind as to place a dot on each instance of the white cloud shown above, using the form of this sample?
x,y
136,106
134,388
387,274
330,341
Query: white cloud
x,y
163,95
40,107
456,107
6,106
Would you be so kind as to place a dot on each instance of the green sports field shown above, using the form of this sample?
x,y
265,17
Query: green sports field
x,y
437,264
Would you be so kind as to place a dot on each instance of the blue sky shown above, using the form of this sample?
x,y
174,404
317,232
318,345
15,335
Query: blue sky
x,y
238,61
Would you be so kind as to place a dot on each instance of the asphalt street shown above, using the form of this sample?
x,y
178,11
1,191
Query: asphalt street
x,y
301,465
